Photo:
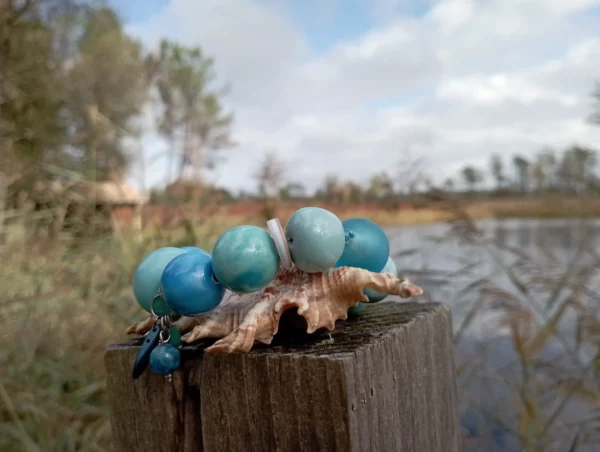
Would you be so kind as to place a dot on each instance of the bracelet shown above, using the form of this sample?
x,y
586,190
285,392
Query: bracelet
x,y
173,282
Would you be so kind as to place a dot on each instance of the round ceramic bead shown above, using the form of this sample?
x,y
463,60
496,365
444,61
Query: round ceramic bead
x,y
366,247
316,239
374,296
188,285
245,259
146,280
355,310
164,359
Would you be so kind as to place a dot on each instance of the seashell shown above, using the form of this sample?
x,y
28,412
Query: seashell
x,y
241,320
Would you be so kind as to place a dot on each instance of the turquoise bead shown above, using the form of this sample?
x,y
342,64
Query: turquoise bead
x,y
356,310
188,285
366,247
164,359
316,239
245,259
146,280
374,296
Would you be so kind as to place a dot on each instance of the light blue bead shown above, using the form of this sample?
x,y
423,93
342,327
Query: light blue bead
x,y
374,296
367,246
245,259
188,286
355,310
146,280
164,359
316,239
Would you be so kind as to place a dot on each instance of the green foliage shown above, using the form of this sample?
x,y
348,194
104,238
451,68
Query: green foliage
x,y
31,129
472,176
73,86
192,117
62,304
497,170
106,90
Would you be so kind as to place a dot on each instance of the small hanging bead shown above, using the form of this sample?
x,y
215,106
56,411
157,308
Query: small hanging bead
x,y
165,358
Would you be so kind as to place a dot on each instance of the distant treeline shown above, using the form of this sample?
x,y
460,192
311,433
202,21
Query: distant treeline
x,y
573,171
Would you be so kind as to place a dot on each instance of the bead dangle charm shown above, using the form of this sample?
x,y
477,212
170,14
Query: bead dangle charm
x,y
166,357
161,344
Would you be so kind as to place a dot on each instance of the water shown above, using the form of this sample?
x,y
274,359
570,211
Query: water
x,y
504,266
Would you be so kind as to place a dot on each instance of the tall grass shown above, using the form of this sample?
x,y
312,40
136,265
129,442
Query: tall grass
x,y
64,300
527,344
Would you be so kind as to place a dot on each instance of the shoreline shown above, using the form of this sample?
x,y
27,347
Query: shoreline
x,y
163,216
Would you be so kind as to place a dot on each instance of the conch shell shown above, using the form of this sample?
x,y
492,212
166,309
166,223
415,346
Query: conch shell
x,y
240,320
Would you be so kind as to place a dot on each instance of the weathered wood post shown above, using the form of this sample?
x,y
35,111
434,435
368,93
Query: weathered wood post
x,y
382,382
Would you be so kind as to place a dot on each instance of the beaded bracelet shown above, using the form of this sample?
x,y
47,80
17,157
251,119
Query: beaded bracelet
x,y
172,282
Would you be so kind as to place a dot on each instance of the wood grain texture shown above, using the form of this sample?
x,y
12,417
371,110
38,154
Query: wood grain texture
x,y
382,382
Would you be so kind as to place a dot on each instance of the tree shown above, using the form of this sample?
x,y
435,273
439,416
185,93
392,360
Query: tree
x,y
544,170
595,116
497,169
472,177
192,116
31,128
107,89
577,168
270,176
332,191
292,190
381,187
352,193
522,167
449,184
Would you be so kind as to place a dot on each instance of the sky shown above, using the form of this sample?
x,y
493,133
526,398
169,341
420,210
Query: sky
x,y
355,87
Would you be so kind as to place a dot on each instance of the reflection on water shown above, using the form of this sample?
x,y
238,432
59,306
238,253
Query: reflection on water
x,y
460,273
445,267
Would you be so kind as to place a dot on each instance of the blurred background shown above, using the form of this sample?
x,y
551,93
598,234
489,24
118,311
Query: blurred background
x,y
468,129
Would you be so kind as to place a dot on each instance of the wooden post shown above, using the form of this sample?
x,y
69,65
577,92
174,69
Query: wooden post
x,y
384,381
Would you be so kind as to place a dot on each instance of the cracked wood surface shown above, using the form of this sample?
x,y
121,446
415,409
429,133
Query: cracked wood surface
x,y
384,381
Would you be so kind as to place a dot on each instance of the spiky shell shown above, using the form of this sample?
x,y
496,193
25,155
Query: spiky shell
x,y
321,298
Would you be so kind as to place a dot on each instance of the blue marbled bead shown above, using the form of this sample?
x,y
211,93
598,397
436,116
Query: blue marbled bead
x,y
316,239
188,285
374,296
164,359
245,259
366,247
146,280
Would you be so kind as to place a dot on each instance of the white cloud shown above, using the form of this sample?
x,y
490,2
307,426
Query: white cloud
x,y
465,79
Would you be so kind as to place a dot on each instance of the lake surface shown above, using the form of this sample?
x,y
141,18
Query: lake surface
x,y
478,273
